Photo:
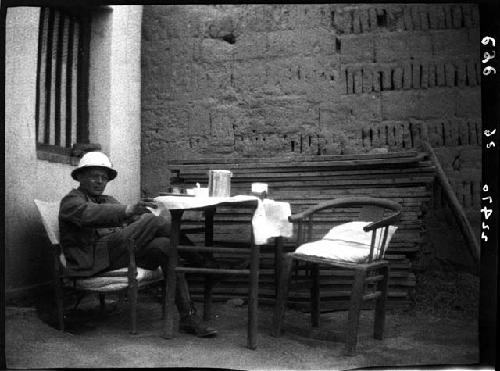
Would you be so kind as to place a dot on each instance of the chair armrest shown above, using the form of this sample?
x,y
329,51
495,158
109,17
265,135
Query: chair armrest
x,y
344,202
383,222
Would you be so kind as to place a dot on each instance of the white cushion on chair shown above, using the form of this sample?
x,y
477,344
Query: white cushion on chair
x,y
115,283
346,242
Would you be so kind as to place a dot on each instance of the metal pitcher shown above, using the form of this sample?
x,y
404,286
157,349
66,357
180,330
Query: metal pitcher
x,y
219,183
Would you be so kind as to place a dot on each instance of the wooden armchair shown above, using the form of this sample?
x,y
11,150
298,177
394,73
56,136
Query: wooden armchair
x,y
360,252
125,280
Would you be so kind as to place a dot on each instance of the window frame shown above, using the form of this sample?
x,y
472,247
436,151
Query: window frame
x,y
65,150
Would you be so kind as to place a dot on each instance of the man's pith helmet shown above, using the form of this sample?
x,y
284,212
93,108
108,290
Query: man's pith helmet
x,y
95,159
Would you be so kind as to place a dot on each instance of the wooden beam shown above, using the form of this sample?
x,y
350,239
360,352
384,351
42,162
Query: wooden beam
x,y
459,213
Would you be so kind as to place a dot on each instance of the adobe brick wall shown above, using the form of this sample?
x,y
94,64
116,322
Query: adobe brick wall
x,y
265,80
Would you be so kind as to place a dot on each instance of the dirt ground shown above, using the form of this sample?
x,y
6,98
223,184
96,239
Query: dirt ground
x,y
428,334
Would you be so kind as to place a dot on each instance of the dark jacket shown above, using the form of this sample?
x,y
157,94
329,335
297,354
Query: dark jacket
x,y
82,221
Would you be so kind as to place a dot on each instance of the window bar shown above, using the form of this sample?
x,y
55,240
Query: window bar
x,y
48,77
38,105
83,68
53,107
74,80
64,73
58,78
69,80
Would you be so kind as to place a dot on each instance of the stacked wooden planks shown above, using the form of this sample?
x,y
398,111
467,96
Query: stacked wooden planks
x,y
404,177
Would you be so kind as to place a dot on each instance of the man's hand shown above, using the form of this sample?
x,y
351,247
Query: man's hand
x,y
140,207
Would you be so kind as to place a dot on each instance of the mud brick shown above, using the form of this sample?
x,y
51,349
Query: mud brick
x,y
461,73
467,14
407,17
358,81
365,20
424,18
347,18
397,78
448,20
471,73
386,78
375,136
415,17
440,74
433,17
432,75
377,74
479,69
395,18
462,132
474,130
349,82
365,135
424,75
450,74
398,134
367,80
407,76
450,135
372,13
475,15
356,22
406,141
456,14
441,17
415,75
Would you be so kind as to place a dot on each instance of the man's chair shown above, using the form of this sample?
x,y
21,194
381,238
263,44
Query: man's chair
x,y
125,280
358,246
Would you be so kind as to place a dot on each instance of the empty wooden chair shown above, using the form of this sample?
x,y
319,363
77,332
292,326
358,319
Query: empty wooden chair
x,y
358,246
125,280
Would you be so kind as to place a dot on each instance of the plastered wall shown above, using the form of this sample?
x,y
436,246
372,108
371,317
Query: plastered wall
x,y
114,109
267,80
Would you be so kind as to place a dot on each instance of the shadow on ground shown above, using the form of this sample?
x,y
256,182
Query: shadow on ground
x,y
413,338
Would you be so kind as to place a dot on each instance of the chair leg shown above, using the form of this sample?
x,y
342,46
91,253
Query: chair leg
x,y
207,298
102,302
163,297
354,311
282,295
382,286
59,303
253,298
132,298
315,296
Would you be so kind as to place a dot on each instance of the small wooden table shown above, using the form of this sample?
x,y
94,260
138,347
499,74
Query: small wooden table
x,y
176,205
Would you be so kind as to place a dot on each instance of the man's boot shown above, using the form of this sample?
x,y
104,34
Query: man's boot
x,y
190,322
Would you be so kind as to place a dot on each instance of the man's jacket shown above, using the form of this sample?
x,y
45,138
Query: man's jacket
x,y
82,221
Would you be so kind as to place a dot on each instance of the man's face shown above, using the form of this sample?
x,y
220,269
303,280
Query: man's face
x,y
93,180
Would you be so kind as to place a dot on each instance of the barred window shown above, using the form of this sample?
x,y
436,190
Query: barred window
x,y
62,80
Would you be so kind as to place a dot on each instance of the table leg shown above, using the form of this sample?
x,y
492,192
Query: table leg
x,y
278,262
209,284
253,301
171,277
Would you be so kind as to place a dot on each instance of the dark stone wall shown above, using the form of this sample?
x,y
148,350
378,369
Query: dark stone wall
x,y
268,80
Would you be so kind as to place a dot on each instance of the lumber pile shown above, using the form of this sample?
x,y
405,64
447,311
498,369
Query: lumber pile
x,y
404,177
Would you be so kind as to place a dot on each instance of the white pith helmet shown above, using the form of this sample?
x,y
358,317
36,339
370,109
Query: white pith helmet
x,y
95,159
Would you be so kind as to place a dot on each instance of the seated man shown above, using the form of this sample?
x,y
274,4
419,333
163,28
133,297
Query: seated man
x,y
94,229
